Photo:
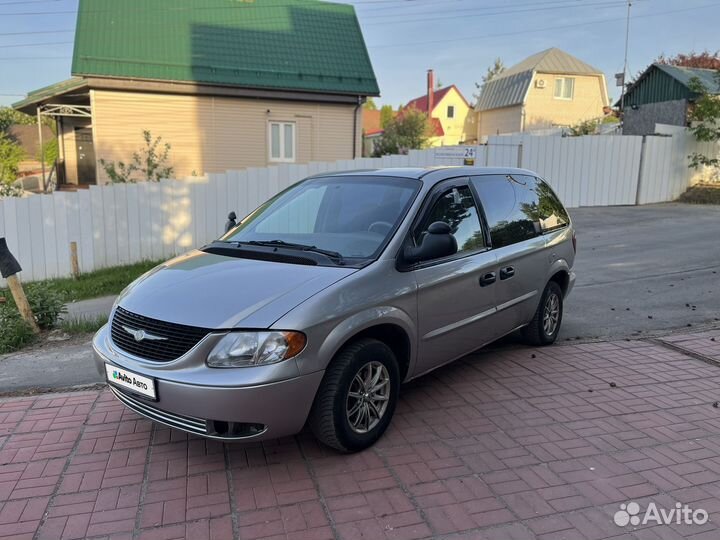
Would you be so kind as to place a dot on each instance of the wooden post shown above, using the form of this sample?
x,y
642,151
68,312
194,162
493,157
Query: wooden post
x,y
74,260
21,302
9,267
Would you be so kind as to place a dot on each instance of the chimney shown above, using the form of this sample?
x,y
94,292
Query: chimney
x,y
430,91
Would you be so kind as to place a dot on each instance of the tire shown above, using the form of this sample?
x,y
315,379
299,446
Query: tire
x,y
536,333
329,418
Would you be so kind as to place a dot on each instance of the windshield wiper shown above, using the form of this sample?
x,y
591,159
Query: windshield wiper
x,y
304,247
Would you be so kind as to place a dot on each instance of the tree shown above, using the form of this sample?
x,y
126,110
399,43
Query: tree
x,y
50,152
408,130
703,60
585,127
386,114
149,162
11,154
493,71
704,119
9,117
370,105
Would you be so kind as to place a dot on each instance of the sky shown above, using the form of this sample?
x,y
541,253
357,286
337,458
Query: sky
x,y
459,39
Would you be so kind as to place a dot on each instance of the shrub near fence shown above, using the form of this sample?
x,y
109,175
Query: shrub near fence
x,y
125,223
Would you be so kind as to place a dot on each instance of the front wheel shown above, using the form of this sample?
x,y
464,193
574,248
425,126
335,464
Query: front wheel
x,y
545,324
357,396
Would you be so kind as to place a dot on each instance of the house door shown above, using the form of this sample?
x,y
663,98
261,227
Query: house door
x,y
85,153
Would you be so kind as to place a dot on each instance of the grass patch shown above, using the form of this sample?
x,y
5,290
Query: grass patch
x,y
83,325
701,194
102,282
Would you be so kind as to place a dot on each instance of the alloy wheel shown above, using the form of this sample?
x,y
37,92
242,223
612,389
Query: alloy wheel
x,y
551,314
368,397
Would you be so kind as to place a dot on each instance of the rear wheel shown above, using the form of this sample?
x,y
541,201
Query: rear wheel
x,y
357,396
545,324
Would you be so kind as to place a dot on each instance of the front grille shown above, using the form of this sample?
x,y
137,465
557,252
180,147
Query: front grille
x,y
178,338
186,423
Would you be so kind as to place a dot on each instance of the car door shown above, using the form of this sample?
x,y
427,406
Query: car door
x,y
510,205
456,294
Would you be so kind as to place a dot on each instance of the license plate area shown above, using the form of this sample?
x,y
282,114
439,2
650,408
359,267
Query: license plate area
x,y
129,380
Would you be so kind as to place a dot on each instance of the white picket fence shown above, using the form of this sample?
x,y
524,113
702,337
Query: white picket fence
x,y
125,223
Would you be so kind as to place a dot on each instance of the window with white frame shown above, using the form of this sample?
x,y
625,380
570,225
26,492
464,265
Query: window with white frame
x,y
282,141
564,87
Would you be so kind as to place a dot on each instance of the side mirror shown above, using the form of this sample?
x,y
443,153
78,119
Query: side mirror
x,y
230,223
437,243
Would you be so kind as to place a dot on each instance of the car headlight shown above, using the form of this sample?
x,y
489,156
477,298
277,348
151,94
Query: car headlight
x,y
244,349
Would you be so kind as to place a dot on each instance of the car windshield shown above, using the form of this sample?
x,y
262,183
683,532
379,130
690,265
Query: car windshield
x,y
349,217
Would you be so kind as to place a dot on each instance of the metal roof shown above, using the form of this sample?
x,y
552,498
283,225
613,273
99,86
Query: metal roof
x,y
661,82
708,77
504,91
510,87
303,45
56,89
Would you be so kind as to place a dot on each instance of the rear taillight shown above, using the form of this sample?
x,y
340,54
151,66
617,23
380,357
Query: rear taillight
x,y
574,243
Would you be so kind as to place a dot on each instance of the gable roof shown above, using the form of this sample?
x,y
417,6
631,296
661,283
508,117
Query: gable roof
x,y
304,45
421,104
660,82
708,77
510,87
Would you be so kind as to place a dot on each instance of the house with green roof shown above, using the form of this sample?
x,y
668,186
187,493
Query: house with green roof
x,y
228,83
549,89
663,94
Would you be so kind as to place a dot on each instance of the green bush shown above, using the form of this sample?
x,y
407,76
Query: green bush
x,y
16,333
11,154
46,305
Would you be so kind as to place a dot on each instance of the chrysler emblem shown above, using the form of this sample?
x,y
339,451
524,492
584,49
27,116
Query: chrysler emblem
x,y
141,335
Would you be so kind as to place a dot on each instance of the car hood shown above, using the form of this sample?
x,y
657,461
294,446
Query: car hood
x,y
215,291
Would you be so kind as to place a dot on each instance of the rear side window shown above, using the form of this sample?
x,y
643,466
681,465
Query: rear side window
x,y
551,212
519,207
511,207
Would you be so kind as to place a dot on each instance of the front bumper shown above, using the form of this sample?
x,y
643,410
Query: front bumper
x,y
213,408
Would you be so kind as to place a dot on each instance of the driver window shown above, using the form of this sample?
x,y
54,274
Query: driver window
x,y
456,207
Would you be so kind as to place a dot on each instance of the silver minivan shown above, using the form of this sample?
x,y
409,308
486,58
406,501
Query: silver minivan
x,y
322,301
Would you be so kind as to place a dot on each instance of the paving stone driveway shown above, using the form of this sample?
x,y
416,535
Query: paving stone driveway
x,y
512,444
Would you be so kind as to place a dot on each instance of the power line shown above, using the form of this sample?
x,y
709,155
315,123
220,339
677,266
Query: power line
x,y
520,32
27,2
15,45
36,32
474,37
606,3
617,3
251,7
564,3
35,58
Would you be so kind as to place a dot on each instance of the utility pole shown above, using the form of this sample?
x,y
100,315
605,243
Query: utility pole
x,y
627,39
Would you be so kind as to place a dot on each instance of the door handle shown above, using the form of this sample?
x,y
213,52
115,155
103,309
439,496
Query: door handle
x,y
507,272
487,279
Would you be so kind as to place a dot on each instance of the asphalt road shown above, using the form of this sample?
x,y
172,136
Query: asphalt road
x,y
641,271
644,270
